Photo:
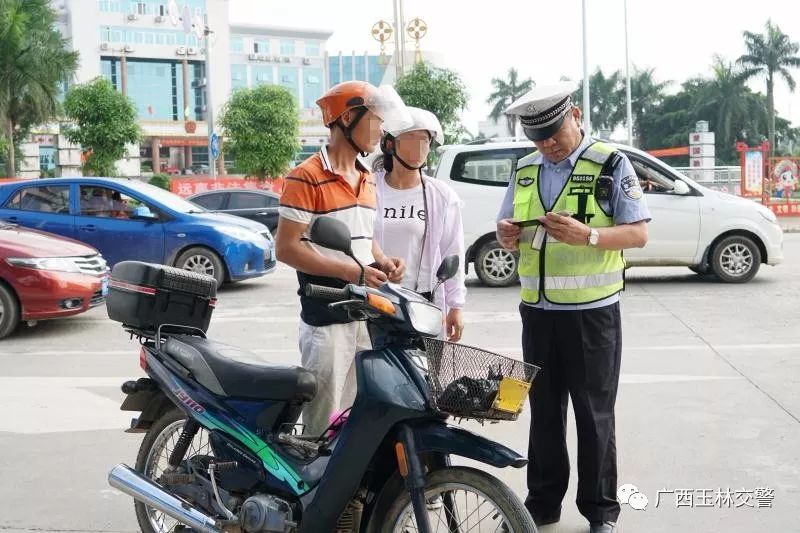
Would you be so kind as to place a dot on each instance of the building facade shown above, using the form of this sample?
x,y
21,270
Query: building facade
x,y
160,64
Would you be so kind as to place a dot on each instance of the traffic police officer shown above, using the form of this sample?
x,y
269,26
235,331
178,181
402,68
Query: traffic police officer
x,y
572,207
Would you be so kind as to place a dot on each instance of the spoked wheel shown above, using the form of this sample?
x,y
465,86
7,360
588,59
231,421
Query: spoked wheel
x,y
496,266
736,259
152,461
471,501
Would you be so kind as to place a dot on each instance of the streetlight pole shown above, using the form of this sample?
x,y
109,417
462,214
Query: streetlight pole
x,y
587,105
212,169
628,80
398,35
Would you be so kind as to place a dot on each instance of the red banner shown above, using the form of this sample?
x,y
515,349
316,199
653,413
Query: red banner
x,y
189,186
785,209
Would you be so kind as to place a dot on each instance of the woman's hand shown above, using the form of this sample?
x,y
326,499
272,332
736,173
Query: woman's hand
x,y
454,325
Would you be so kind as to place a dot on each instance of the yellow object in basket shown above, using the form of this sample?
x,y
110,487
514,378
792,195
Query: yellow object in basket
x,y
511,395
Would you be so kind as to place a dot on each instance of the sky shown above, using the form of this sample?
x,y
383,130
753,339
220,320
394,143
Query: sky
x,y
543,40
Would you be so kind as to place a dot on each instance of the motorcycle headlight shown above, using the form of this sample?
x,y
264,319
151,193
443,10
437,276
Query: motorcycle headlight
x,y
59,264
425,318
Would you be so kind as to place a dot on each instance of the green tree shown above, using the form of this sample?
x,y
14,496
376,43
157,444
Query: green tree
x,y
607,95
35,62
734,111
505,93
438,90
104,122
647,94
261,127
161,180
769,55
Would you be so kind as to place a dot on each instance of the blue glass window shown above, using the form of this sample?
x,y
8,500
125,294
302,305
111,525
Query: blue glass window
x,y
312,49
237,44
312,86
262,75
238,76
287,77
333,69
287,47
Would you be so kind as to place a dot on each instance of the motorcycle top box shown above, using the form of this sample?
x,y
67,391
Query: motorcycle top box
x,y
146,296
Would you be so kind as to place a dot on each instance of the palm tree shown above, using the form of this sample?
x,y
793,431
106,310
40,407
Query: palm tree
x,y
34,63
727,102
769,54
647,95
607,97
505,93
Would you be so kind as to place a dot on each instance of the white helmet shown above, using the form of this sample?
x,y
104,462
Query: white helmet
x,y
422,120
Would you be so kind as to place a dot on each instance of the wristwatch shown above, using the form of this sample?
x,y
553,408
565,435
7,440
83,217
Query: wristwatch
x,y
594,237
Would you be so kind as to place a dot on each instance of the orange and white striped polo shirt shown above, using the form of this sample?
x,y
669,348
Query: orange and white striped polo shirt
x,y
312,189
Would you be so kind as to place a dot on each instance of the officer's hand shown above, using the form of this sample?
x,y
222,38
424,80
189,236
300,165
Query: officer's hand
x,y
566,229
508,234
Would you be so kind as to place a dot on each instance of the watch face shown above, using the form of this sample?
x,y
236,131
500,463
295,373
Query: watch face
x,y
593,237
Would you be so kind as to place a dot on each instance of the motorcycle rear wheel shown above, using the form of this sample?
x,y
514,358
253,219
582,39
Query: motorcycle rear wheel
x,y
152,459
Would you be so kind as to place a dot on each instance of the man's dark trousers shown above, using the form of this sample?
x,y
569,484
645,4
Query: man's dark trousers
x,y
579,353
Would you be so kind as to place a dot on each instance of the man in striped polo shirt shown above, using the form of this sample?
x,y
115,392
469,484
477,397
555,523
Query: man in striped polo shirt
x,y
334,183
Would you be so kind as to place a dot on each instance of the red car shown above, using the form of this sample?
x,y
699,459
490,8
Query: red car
x,y
45,276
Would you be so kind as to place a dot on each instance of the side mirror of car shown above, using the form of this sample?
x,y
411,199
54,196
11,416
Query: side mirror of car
x,y
681,188
143,212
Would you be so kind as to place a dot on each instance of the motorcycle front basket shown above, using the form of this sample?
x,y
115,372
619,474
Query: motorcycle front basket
x,y
468,382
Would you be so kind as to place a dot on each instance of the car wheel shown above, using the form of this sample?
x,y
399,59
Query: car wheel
x,y
496,266
202,261
9,311
736,259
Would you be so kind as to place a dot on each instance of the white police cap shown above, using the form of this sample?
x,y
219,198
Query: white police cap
x,y
542,110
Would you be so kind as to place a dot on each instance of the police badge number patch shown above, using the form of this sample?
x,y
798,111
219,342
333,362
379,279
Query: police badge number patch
x,y
525,181
582,178
631,187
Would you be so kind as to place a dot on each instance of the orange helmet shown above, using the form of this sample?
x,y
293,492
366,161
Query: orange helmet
x,y
344,96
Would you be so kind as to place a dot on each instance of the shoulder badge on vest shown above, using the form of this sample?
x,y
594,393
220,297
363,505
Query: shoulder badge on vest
x,y
525,181
582,178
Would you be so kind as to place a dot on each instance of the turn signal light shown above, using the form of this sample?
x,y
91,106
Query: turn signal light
x,y
380,303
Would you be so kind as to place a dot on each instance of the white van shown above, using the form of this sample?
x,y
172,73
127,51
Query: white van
x,y
693,226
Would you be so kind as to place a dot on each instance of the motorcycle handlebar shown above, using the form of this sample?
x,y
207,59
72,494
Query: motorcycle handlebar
x,y
327,293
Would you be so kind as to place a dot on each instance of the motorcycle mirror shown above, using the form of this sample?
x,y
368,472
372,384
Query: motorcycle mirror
x,y
331,233
448,268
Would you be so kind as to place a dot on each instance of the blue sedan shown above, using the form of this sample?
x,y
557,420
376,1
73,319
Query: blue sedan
x,y
126,219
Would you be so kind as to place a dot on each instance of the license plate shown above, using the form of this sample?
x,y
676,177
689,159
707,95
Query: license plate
x,y
104,286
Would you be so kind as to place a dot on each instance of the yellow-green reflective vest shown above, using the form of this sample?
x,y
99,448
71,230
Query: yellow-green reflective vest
x,y
563,273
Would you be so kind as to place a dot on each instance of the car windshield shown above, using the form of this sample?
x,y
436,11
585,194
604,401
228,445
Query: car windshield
x,y
166,198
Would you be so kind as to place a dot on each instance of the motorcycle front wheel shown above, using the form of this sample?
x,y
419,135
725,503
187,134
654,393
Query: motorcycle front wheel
x,y
460,499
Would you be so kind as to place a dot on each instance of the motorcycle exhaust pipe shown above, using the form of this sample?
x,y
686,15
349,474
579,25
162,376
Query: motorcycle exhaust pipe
x,y
132,483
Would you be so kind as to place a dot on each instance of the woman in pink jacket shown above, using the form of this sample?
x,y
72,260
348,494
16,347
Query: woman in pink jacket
x,y
419,218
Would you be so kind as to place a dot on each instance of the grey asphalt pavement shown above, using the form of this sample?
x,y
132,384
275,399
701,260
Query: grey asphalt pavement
x,y
708,414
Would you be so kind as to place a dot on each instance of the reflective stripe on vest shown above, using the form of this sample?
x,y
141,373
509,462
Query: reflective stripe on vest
x,y
563,273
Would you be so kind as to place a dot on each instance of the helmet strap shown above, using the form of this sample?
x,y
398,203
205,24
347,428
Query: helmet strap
x,y
348,129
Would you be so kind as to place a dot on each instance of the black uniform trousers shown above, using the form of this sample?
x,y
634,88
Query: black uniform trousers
x,y
579,353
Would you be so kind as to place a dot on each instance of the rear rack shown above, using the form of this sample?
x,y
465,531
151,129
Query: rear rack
x,y
149,336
